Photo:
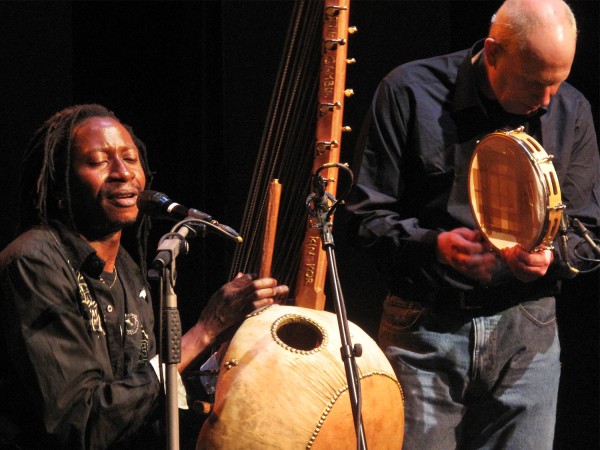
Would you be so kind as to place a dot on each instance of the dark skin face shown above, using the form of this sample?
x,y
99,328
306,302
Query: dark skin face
x,y
107,177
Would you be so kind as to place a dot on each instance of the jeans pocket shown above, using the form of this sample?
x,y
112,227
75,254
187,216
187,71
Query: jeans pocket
x,y
541,313
399,316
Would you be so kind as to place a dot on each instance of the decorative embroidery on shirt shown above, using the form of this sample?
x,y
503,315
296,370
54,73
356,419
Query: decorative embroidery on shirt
x,y
90,312
132,324
143,358
143,294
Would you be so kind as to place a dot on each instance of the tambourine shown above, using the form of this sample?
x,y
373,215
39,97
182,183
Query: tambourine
x,y
514,191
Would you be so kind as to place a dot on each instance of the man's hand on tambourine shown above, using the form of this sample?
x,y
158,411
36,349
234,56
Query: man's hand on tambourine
x,y
527,266
466,251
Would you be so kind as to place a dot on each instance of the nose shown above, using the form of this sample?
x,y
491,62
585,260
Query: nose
x,y
119,170
545,95
545,99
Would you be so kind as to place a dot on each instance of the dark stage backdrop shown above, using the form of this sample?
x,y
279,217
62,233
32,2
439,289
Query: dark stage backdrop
x,y
194,79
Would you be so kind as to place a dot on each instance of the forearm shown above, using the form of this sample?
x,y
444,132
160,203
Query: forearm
x,y
194,342
383,232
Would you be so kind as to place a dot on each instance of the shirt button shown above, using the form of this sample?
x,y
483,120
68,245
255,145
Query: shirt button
x,y
109,308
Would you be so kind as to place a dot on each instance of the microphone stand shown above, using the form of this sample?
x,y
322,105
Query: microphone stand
x,y
349,353
170,330
164,268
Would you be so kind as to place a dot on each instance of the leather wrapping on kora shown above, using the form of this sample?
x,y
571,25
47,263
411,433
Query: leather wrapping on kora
x,y
282,385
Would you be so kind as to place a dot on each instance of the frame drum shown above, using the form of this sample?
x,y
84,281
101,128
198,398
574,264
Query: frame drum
x,y
282,385
514,191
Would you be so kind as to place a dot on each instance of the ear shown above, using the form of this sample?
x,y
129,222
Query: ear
x,y
491,49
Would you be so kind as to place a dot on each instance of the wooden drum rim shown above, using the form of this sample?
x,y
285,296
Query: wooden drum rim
x,y
505,212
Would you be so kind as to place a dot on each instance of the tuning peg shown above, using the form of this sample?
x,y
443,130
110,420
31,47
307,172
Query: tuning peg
x,y
350,61
352,30
322,146
332,44
349,92
333,11
324,108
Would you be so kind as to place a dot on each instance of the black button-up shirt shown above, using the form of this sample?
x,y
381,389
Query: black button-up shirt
x,y
419,135
75,352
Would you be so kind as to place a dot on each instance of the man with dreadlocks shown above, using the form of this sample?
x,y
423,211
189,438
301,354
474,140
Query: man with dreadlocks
x,y
79,367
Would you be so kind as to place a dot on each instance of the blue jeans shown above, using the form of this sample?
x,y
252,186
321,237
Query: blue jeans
x,y
484,382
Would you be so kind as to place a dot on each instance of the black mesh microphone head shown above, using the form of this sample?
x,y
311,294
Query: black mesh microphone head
x,y
152,202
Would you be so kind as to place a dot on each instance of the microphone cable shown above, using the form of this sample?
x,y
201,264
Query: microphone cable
x,y
591,243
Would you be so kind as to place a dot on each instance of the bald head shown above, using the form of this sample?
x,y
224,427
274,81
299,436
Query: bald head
x,y
518,22
529,53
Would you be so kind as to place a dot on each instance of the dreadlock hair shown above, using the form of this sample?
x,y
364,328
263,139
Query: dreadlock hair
x,y
45,182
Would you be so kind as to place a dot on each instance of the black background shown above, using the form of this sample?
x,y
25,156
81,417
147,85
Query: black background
x,y
194,79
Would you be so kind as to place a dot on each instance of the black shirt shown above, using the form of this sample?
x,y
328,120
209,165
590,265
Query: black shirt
x,y
75,369
419,135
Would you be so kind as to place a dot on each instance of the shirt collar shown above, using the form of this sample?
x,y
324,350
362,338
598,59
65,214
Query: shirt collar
x,y
82,255
465,94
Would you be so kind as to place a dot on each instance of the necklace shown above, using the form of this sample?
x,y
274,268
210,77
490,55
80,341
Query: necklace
x,y
113,281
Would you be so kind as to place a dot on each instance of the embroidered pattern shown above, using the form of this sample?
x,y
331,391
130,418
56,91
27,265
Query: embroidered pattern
x,y
132,324
143,358
90,311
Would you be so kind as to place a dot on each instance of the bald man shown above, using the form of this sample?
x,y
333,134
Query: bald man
x,y
472,332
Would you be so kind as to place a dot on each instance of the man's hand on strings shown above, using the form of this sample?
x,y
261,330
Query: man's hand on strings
x,y
230,304
227,307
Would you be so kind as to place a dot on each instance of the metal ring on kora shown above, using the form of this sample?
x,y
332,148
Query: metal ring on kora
x,y
282,386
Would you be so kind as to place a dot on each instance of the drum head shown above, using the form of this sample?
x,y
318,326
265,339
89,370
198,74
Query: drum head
x,y
508,199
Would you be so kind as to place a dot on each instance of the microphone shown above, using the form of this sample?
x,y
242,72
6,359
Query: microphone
x,y
583,232
158,204
563,244
319,184
320,198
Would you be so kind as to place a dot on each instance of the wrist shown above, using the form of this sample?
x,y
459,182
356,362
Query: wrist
x,y
195,341
439,245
